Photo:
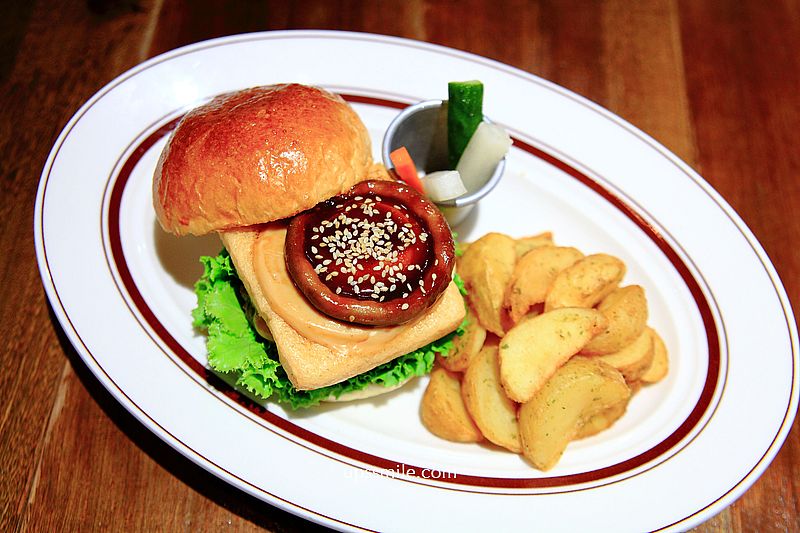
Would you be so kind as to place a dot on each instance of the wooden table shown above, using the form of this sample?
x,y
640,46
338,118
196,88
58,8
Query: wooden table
x,y
717,82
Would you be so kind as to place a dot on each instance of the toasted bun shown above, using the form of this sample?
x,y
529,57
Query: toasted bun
x,y
258,155
310,365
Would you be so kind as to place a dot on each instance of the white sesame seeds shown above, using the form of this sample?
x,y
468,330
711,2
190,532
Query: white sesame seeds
x,y
365,244
404,307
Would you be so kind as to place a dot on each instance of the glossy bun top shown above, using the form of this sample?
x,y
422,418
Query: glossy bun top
x,y
258,155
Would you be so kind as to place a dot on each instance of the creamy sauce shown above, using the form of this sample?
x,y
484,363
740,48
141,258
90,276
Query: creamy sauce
x,y
290,304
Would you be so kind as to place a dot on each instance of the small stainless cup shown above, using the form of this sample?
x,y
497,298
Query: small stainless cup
x,y
422,129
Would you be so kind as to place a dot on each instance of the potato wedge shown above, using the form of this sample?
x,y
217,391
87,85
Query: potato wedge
x,y
635,386
524,245
486,267
535,348
660,365
533,275
586,282
493,412
578,391
465,347
443,411
626,310
634,359
602,420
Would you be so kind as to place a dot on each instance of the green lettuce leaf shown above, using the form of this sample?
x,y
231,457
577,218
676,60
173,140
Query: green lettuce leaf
x,y
225,312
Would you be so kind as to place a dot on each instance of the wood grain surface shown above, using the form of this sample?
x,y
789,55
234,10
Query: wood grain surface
x,y
717,82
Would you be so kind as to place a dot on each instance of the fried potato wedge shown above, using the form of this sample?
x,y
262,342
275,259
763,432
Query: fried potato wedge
x,y
660,365
602,420
443,411
524,245
578,391
634,359
493,412
626,310
535,348
486,267
533,275
465,347
585,283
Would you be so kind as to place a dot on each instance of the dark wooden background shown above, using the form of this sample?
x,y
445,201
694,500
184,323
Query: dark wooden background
x,y
717,82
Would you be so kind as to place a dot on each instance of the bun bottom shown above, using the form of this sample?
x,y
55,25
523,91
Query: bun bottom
x,y
370,391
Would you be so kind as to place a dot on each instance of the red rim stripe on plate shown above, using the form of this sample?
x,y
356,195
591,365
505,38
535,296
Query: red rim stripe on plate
x,y
213,380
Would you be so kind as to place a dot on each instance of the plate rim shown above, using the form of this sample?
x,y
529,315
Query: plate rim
x,y
721,204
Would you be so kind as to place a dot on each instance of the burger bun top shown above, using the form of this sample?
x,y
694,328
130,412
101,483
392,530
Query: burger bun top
x,y
258,155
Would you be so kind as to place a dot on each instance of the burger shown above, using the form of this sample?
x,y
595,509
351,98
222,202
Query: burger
x,y
335,281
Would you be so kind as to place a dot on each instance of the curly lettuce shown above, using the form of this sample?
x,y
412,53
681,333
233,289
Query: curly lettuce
x,y
224,311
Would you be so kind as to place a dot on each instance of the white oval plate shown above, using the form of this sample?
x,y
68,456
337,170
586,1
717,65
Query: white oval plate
x,y
688,446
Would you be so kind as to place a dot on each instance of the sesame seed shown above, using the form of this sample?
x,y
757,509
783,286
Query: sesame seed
x,y
404,307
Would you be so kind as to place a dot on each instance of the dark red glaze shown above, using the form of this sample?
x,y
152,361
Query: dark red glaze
x,y
379,255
